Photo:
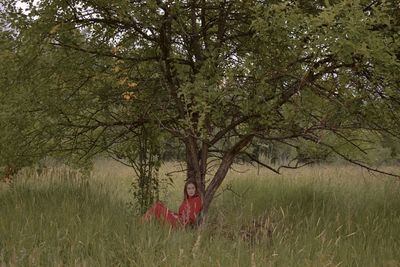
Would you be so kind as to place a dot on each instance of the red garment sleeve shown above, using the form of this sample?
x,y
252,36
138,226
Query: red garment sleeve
x,y
190,209
195,209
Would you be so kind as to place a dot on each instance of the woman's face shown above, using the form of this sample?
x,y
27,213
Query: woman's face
x,y
190,190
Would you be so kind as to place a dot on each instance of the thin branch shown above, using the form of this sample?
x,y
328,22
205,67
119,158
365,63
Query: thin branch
x,y
297,166
261,163
172,172
361,164
112,55
230,127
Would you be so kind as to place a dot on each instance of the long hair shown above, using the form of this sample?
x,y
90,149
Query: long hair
x,y
188,182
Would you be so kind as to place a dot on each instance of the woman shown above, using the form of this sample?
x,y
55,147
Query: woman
x,y
188,211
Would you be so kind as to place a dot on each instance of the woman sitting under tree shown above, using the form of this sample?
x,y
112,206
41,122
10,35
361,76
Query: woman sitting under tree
x,y
188,211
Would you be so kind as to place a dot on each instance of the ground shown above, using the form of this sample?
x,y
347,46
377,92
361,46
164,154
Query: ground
x,y
316,216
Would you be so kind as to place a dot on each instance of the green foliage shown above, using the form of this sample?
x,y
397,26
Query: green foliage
x,y
143,154
20,145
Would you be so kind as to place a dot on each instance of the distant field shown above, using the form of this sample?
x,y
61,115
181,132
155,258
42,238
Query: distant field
x,y
316,216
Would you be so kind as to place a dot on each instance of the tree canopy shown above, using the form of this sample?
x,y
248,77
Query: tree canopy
x,y
217,76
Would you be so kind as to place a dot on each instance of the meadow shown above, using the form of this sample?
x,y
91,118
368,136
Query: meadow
x,y
315,216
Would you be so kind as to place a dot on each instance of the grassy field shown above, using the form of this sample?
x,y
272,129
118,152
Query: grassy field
x,y
316,216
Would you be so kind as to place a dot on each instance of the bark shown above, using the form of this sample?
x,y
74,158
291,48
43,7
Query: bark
x,y
220,175
203,166
193,163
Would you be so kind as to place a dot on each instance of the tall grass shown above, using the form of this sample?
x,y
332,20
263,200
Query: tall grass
x,y
317,216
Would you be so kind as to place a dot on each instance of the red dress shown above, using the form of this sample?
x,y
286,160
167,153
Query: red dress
x,y
188,211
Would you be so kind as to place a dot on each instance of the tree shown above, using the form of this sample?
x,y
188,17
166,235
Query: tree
x,y
143,155
20,143
217,75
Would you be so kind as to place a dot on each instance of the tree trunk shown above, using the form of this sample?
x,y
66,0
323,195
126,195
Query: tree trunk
x,y
220,175
189,165
216,182
193,163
